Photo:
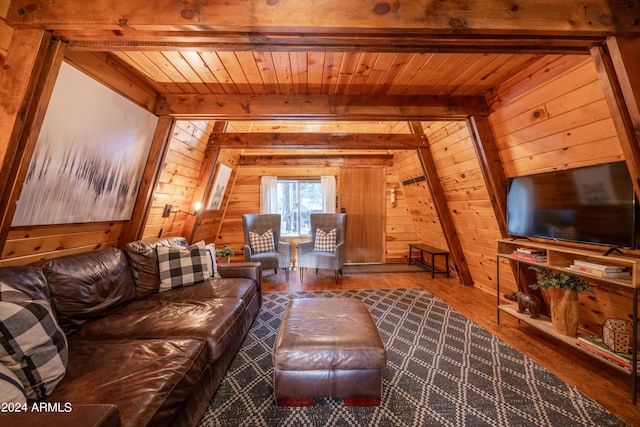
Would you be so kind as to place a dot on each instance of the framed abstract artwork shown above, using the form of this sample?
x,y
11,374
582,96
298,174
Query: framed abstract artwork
x,y
89,158
219,187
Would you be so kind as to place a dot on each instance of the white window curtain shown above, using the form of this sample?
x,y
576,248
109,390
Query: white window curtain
x,y
269,194
328,184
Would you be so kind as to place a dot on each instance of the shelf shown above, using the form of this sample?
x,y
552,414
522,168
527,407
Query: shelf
x,y
627,283
560,258
624,282
544,324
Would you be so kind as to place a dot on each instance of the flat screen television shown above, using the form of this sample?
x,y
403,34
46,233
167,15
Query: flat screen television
x,y
593,204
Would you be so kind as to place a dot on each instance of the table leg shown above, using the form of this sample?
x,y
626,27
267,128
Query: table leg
x,y
433,266
446,262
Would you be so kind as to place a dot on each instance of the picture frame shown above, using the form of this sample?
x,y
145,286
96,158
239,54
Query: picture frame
x,y
219,187
89,158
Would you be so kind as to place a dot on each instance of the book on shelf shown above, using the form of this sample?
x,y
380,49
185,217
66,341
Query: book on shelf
x,y
529,257
596,266
531,251
595,345
600,273
594,352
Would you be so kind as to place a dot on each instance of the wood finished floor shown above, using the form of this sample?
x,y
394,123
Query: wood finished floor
x,y
606,385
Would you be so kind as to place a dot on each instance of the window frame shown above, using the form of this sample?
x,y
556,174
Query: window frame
x,y
299,214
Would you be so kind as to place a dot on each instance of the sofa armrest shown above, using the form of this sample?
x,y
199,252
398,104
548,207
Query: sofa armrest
x,y
247,270
81,415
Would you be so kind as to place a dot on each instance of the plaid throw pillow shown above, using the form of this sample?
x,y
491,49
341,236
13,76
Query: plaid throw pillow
x,y
325,242
212,266
179,266
32,345
261,242
11,389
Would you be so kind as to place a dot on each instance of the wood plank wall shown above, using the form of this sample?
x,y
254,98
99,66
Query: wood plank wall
x,y
179,179
243,198
551,116
5,31
427,227
466,194
30,244
400,229
209,221
177,184
554,116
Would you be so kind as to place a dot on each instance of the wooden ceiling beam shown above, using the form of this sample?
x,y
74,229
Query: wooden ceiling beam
x,y
488,155
617,66
26,83
109,70
133,229
439,199
320,141
492,168
303,159
479,17
389,108
272,42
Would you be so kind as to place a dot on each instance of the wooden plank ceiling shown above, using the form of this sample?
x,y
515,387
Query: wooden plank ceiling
x,y
323,73
410,60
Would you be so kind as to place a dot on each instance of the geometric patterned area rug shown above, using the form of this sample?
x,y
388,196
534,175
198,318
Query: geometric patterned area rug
x,y
442,370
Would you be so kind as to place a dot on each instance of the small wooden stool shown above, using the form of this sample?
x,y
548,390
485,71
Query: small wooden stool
x,y
328,347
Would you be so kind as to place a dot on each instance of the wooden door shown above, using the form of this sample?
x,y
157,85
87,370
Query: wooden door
x,y
362,192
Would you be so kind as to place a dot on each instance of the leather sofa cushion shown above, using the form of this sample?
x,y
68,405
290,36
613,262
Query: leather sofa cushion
x,y
27,279
214,321
148,380
88,285
143,260
244,289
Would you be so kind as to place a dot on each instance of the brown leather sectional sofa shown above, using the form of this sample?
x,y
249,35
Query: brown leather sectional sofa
x,y
137,356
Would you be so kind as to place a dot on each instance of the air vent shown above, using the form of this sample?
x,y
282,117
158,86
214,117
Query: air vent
x,y
413,180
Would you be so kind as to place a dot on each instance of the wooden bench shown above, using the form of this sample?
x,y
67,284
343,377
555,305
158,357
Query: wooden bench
x,y
421,262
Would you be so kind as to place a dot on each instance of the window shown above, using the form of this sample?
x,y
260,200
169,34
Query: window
x,y
297,198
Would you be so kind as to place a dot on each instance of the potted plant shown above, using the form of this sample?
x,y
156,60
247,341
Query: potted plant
x,y
562,289
224,253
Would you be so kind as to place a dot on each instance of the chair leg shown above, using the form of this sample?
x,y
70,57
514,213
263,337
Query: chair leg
x,y
275,270
301,273
337,277
286,273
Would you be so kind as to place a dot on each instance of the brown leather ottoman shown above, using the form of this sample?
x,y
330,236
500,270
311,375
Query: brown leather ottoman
x,y
328,347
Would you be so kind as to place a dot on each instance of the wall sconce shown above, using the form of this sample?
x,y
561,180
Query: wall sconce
x,y
167,210
196,208
393,196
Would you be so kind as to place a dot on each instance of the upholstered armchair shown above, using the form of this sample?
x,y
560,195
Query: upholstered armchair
x,y
262,242
326,247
